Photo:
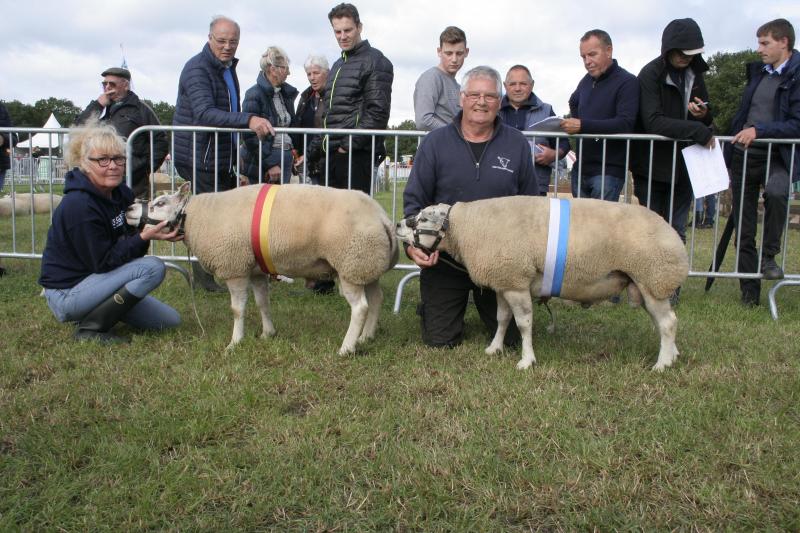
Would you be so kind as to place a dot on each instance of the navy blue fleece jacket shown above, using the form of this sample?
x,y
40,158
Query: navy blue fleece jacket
x,y
608,104
88,234
446,171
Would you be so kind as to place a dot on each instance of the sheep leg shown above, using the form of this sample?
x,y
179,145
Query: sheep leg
x,y
504,315
374,301
260,286
520,303
238,289
356,297
667,323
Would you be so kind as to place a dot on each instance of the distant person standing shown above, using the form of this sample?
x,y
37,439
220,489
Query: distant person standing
x,y
208,95
122,108
5,145
521,109
358,95
770,109
437,93
605,101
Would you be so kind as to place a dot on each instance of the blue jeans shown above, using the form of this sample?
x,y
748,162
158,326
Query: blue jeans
x,y
140,277
597,187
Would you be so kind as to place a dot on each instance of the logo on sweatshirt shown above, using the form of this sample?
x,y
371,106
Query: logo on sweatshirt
x,y
504,161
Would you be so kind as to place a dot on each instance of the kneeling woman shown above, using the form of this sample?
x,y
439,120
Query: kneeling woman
x,y
93,268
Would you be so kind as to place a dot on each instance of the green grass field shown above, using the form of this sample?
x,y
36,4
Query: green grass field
x,y
172,432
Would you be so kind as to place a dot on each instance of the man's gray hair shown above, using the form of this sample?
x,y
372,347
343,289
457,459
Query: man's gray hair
x,y
274,55
222,18
316,60
486,73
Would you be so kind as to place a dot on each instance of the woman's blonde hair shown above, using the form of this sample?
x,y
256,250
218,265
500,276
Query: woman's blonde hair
x,y
92,136
273,56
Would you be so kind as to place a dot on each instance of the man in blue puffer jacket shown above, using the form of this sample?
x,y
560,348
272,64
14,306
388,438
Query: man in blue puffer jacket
x,y
208,95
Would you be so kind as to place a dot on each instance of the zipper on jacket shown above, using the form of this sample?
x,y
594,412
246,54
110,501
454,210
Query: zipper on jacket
x,y
330,103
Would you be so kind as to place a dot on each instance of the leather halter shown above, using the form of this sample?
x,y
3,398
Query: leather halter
x,y
177,222
412,223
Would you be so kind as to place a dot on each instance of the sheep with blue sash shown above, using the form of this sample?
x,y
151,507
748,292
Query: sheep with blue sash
x,y
577,249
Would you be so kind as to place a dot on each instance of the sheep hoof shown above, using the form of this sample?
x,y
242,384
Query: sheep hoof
x,y
492,349
346,351
524,364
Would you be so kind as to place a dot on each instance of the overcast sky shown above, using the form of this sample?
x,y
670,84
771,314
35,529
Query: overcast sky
x,y
59,48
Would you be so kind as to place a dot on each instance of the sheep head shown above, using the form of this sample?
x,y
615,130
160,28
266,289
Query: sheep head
x,y
142,214
426,229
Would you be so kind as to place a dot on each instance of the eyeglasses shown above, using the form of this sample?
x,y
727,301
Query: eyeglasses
x,y
282,67
226,42
108,83
104,161
489,98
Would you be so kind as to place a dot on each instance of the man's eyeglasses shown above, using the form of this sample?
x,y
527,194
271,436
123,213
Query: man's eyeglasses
x,y
489,98
282,67
226,42
108,83
104,161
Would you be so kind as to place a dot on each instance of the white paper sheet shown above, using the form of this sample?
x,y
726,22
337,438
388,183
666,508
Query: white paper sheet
x,y
547,124
707,170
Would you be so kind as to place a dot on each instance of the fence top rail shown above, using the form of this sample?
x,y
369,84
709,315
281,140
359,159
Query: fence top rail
x,y
417,133
393,133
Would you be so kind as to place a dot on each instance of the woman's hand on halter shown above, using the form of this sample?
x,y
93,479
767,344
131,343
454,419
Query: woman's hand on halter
x,y
154,233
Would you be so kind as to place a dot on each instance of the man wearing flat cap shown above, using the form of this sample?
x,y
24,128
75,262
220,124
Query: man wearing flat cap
x,y
121,107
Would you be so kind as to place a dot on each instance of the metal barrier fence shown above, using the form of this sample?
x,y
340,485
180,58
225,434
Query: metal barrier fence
x,y
387,176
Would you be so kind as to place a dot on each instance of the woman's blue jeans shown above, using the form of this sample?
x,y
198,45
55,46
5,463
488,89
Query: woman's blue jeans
x,y
139,277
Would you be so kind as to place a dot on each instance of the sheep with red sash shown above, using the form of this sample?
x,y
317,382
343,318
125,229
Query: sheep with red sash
x,y
244,235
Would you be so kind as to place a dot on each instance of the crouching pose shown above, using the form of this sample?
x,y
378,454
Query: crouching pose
x,y
93,269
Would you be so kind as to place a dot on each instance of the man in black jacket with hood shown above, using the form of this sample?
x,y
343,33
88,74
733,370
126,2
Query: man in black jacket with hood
x,y
673,102
358,95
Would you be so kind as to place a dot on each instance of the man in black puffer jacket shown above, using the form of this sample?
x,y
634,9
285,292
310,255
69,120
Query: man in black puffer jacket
x,y
358,94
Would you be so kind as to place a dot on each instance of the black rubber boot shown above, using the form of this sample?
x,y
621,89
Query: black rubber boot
x,y
97,324
205,280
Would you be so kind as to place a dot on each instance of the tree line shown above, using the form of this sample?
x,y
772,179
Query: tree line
x,y
725,81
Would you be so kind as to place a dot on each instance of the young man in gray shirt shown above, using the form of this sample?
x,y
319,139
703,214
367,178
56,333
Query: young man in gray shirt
x,y
436,94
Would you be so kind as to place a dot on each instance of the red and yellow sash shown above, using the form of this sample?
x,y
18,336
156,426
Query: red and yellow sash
x,y
259,228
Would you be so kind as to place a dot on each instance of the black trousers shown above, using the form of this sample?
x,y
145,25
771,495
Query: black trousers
x,y
360,175
444,292
776,198
660,193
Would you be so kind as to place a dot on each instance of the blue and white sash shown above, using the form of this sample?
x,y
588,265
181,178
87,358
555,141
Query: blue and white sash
x,y
556,255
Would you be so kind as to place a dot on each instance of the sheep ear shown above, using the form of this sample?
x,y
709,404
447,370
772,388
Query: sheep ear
x,y
185,189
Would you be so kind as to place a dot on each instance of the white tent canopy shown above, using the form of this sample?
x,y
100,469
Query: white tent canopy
x,y
44,140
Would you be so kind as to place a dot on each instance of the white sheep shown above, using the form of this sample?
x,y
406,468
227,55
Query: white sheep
x,y
503,242
314,232
20,204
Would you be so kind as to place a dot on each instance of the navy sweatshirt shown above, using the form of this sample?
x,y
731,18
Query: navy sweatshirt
x,y
608,104
446,171
88,234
